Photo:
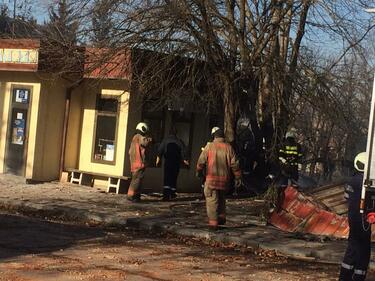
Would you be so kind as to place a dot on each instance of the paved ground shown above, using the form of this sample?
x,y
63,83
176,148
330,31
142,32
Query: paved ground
x,y
32,249
184,218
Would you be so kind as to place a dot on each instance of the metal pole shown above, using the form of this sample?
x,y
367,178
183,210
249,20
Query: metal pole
x,y
368,173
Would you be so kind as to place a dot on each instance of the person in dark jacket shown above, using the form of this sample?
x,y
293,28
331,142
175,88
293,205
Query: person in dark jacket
x,y
174,152
290,155
218,163
357,256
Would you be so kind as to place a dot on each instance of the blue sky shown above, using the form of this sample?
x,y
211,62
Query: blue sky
x,y
39,8
317,39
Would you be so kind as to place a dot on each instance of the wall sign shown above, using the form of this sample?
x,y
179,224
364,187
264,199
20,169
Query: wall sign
x,y
18,130
20,56
22,95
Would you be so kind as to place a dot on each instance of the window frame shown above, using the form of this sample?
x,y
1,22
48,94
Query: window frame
x,y
110,114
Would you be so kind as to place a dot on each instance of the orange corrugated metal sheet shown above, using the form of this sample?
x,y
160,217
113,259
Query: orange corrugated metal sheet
x,y
301,214
285,221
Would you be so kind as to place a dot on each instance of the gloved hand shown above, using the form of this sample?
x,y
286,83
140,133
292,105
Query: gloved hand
x,y
282,160
238,182
371,218
157,161
199,174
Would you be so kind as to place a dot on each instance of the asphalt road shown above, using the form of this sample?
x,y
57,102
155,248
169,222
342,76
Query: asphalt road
x,y
32,249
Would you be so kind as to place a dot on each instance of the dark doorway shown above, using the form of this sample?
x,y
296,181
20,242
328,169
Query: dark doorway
x,y
15,159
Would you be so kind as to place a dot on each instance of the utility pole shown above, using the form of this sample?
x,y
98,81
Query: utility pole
x,y
368,187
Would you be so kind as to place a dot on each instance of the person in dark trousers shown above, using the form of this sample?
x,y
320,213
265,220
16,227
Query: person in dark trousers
x,y
218,163
357,256
174,152
137,156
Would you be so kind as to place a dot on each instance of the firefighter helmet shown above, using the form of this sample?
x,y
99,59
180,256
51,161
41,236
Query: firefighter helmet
x,y
214,130
142,127
290,134
359,161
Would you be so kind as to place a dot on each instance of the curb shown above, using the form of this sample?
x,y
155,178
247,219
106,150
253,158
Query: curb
x,y
227,239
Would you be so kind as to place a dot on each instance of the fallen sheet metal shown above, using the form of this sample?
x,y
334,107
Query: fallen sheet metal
x,y
331,196
301,213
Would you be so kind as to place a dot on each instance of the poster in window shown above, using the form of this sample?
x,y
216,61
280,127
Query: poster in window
x,y
22,96
18,131
109,152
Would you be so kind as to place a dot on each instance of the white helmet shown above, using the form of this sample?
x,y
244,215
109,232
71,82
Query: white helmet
x,y
142,127
360,161
214,130
290,134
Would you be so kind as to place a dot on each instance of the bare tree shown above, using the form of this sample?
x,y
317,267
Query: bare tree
x,y
102,25
61,53
247,58
250,47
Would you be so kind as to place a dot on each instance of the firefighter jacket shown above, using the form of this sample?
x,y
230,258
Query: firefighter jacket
x,y
137,152
219,162
290,154
352,194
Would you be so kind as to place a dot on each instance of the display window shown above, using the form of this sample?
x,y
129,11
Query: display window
x,y
105,130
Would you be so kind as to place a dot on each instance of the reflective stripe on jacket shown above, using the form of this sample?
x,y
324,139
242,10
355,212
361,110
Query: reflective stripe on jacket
x,y
291,152
219,161
137,153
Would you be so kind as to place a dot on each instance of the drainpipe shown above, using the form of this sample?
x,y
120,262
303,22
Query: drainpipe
x,y
68,95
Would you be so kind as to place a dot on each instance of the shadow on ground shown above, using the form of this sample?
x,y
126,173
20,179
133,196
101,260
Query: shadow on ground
x,y
21,235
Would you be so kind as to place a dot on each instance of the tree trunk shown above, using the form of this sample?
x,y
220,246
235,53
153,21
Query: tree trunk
x,y
229,111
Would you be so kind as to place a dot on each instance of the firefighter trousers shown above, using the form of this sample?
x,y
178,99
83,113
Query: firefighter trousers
x,y
135,186
357,256
215,204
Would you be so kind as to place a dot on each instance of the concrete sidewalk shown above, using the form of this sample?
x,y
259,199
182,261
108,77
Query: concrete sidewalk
x,y
183,217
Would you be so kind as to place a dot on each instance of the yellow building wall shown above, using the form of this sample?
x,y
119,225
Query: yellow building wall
x,y
45,130
90,92
74,130
4,113
49,130
8,80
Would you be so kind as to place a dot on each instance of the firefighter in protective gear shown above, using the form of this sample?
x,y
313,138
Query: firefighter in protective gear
x,y
290,155
137,157
357,256
174,152
218,162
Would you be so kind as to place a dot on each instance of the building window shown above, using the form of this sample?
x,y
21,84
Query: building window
x,y
105,132
155,118
21,95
